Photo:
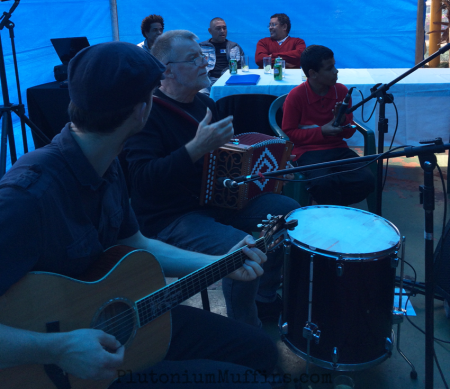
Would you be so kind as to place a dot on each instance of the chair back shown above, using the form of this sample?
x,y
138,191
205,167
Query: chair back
x,y
250,112
276,116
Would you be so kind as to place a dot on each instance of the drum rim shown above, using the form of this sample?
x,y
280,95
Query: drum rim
x,y
338,366
346,256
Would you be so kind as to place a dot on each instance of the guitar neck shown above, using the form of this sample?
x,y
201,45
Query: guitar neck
x,y
169,297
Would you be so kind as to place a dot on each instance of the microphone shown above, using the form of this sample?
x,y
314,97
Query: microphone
x,y
227,182
343,108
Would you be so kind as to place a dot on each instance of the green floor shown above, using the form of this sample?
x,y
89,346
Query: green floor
x,y
401,207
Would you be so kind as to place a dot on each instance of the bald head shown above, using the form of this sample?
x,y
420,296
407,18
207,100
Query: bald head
x,y
218,30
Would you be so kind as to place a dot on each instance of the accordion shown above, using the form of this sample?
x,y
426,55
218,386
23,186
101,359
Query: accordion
x,y
252,153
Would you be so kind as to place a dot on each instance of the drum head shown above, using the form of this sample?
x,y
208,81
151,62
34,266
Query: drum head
x,y
343,232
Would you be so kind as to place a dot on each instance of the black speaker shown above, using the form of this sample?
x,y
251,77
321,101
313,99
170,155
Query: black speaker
x,y
442,264
67,48
60,72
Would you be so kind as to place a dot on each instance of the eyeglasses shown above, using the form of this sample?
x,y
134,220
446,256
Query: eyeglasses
x,y
199,61
273,25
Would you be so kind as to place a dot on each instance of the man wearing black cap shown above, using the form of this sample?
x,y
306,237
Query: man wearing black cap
x,y
63,204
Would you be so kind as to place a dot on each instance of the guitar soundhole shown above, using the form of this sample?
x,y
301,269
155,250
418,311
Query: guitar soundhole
x,y
117,318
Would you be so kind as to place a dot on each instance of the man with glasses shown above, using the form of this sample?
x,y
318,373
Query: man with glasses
x,y
219,50
280,44
165,164
151,27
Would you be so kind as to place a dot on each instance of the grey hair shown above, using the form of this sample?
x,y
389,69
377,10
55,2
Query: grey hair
x,y
163,46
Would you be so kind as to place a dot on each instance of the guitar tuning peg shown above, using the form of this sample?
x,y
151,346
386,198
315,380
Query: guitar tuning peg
x,y
269,216
265,221
260,226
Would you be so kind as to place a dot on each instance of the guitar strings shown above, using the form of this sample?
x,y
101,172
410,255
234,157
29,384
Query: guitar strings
x,y
158,298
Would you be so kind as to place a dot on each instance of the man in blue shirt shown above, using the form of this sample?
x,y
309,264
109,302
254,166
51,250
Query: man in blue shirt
x,y
152,27
62,205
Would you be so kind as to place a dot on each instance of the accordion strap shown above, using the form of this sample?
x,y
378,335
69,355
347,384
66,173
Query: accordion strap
x,y
172,107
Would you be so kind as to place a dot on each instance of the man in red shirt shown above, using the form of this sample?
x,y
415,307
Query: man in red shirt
x,y
280,44
308,116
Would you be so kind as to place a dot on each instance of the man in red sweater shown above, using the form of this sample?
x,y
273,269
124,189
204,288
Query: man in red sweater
x,y
280,44
308,116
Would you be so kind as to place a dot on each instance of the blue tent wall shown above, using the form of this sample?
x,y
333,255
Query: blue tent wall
x,y
363,34
35,23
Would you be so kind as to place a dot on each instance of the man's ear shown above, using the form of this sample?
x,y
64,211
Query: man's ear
x,y
209,30
312,73
140,111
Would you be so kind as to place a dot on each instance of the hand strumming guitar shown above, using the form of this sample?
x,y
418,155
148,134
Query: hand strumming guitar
x,y
90,354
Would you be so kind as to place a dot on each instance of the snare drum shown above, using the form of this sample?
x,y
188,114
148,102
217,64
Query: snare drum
x,y
339,284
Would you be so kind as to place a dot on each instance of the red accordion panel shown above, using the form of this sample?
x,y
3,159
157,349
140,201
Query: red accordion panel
x,y
255,153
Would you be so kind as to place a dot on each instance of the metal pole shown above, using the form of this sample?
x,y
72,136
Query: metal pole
x,y
420,32
435,38
114,20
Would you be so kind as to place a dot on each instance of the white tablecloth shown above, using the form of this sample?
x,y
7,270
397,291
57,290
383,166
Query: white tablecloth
x,y
422,99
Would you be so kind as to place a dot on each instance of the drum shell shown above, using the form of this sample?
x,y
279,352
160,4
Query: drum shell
x,y
353,310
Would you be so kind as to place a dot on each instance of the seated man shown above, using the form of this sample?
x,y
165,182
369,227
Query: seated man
x,y
219,50
280,44
152,27
64,204
165,164
308,115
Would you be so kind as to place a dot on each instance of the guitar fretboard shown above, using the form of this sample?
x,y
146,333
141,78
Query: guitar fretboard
x,y
169,297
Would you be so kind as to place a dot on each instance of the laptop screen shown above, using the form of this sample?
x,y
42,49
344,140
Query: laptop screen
x,y
67,48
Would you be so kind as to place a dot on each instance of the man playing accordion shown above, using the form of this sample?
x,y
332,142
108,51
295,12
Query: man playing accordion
x,y
165,164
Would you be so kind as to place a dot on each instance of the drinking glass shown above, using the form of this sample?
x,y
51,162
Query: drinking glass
x,y
267,64
283,65
244,63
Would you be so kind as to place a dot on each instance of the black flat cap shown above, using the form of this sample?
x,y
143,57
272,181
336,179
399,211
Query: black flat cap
x,y
112,75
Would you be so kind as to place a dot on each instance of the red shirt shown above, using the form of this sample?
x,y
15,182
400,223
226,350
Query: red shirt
x,y
305,111
290,50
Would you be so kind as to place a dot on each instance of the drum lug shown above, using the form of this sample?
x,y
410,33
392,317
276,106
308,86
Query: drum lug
x,y
340,269
335,355
311,331
394,259
389,345
285,329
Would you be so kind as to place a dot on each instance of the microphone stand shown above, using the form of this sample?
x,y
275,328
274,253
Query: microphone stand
x,y
8,107
383,98
428,163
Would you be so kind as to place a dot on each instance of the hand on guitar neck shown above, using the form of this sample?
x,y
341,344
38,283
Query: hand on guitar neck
x,y
251,268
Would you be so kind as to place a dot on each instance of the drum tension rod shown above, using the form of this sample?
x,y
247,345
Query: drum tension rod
x,y
311,332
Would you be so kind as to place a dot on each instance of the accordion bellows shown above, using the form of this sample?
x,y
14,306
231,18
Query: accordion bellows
x,y
255,153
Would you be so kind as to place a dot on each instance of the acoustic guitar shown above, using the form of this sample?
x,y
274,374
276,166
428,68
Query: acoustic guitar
x,y
124,295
